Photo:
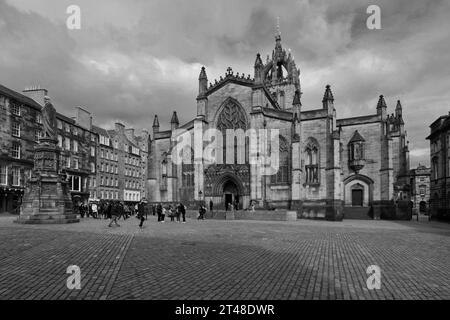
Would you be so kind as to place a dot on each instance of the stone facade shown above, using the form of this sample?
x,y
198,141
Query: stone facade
x,y
20,130
98,163
420,188
440,168
328,168
122,164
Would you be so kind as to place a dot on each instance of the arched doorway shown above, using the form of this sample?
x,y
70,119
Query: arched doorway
x,y
230,193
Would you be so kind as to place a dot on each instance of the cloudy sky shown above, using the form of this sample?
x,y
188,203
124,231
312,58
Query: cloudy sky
x,y
134,59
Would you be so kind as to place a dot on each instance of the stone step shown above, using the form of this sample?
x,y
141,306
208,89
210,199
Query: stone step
x,y
359,213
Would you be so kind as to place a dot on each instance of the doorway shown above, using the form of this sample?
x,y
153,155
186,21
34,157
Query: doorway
x,y
357,198
230,192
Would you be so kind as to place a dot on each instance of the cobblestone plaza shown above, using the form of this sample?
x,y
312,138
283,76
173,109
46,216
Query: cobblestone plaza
x,y
229,260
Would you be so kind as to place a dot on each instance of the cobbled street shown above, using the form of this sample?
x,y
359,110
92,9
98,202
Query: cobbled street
x,y
216,259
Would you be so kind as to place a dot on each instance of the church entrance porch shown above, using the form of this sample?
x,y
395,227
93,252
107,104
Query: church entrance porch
x,y
231,195
228,184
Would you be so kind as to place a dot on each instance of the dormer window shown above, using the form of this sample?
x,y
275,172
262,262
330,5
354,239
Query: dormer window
x,y
356,152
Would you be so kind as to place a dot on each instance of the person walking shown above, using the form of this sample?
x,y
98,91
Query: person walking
x,y
164,212
183,212
159,211
141,214
94,210
201,211
115,213
178,212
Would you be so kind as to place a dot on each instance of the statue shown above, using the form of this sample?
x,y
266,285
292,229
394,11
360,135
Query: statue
x,y
49,119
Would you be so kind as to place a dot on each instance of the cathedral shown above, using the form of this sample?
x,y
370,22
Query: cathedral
x,y
328,168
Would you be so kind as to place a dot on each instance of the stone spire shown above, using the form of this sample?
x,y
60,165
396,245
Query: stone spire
x,y
258,69
382,108
381,103
202,82
174,121
278,34
398,108
328,95
155,124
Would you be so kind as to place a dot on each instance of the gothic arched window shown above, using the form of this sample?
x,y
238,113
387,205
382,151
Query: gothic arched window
x,y
283,174
232,116
163,183
312,162
187,168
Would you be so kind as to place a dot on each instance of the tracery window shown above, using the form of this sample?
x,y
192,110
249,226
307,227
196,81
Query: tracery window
x,y
283,174
187,168
233,117
312,163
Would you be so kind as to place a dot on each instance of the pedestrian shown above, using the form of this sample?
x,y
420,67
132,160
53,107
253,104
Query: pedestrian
x,y
141,210
171,214
183,212
94,210
159,211
126,212
178,213
81,210
141,214
164,212
201,212
115,213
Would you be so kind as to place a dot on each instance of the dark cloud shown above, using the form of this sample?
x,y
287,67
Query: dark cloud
x,y
138,58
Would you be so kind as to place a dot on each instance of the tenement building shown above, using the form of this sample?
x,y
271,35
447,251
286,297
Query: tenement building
x,y
99,163
122,164
328,167
440,167
20,130
420,188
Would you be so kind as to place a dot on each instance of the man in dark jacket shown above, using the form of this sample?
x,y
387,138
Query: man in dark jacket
x,y
159,211
115,213
141,213
182,209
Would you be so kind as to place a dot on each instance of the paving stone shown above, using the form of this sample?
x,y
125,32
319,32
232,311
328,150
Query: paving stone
x,y
225,260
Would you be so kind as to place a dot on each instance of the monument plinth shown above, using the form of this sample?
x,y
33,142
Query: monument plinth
x,y
47,196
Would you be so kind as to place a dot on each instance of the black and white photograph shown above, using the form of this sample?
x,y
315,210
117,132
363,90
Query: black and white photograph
x,y
223,156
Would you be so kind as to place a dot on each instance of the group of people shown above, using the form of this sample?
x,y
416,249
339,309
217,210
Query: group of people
x,y
116,210
177,212
113,210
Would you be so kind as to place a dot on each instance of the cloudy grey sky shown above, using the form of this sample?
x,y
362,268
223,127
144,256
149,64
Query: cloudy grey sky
x,y
133,59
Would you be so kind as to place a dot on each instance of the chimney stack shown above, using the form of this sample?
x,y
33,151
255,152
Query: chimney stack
x,y
36,93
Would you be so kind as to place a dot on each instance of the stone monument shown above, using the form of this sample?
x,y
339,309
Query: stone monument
x,y
47,196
